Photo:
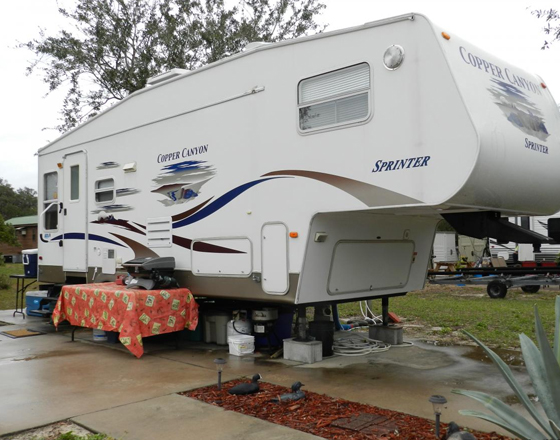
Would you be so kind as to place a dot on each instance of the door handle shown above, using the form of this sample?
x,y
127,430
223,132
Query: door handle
x,y
60,206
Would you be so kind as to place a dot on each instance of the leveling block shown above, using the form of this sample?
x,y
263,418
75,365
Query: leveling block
x,y
308,352
391,334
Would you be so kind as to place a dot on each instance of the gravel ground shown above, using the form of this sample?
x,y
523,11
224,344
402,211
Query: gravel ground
x,y
49,432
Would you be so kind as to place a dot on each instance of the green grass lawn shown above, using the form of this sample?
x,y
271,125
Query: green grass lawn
x,y
496,322
8,296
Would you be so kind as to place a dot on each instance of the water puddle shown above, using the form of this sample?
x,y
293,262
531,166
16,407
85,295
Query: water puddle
x,y
510,357
512,399
46,355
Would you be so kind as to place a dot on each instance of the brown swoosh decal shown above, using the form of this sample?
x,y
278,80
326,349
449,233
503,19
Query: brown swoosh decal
x,y
371,195
190,212
140,251
122,223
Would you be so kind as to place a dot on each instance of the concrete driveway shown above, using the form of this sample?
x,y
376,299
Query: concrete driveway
x,y
48,378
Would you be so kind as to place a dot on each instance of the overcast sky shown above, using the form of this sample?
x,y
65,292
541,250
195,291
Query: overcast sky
x,y
505,28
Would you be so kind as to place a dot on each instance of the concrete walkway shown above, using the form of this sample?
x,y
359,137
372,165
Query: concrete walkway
x,y
48,378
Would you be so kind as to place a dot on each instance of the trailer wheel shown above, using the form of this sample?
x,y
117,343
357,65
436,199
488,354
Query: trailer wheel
x,y
530,289
496,289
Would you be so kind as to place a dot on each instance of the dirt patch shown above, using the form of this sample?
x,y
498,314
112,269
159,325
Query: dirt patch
x,y
323,416
440,336
49,432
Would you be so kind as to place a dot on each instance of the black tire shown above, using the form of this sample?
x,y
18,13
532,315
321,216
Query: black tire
x,y
496,289
530,289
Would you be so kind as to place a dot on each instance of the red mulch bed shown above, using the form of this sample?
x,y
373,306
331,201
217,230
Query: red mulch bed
x,y
316,412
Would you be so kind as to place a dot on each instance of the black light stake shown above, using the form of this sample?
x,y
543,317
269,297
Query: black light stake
x,y
220,367
437,402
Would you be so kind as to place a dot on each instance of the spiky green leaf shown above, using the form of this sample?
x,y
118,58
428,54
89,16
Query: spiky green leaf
x,y
506,417
497,421
508,376
555,428
545,386
551,369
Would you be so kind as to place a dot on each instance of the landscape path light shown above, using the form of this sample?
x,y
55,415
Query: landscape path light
x,y
437,402
220,367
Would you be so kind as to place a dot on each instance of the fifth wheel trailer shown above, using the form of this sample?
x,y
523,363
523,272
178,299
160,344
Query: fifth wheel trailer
x,y
306,171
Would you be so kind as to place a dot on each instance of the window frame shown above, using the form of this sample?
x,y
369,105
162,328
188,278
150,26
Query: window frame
x,y
333,98
74,184
97,190
46,202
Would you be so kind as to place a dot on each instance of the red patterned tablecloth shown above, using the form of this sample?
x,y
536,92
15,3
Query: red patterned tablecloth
x,y
133,313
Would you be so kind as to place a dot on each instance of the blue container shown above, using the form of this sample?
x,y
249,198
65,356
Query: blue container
x,y
282,329
33,302
30,262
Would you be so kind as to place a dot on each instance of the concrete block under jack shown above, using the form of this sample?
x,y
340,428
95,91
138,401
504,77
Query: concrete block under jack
x,y
392,334
308,352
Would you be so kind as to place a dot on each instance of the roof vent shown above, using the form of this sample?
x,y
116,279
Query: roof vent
x,y
254,45
165,76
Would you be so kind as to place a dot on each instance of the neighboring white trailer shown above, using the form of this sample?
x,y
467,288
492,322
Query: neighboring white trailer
x,y
445,247
306,171
526,251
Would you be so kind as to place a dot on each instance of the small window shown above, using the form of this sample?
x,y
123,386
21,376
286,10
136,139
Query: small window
x,y
105,191
50,199
335,98
75,182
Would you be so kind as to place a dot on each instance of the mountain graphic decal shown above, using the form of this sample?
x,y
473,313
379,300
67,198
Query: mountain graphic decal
x,y
518,109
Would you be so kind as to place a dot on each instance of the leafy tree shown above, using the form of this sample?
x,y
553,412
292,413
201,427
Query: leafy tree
x,y
16,203
7,233
116,45
552,24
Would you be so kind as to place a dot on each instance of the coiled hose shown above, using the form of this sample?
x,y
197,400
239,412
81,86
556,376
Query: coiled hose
x,y
356,344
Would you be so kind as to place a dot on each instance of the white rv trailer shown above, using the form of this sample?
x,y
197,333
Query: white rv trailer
x,y
302,172
526,251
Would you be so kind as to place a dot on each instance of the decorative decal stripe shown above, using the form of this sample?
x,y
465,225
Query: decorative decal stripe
x,y
112,208
190,211
200,246
219,203
121,223
140,251
126,191
82,236
371,195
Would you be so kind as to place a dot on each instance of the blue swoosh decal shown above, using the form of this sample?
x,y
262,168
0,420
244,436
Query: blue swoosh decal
x,y
220,202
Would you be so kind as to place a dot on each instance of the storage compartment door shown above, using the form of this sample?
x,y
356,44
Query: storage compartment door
x,y
274,258
362,266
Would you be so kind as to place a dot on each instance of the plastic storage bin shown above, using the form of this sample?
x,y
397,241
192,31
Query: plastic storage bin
x,y
30,262
33,301
241,345
215,327
99,335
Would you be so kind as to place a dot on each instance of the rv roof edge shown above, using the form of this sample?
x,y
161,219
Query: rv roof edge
x,y
166,76
255,45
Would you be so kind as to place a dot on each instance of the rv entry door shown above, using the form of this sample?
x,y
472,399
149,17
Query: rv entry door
x,y
74,212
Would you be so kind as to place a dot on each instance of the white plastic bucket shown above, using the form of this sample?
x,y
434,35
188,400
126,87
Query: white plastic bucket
x,y
241,327
99,335
241,345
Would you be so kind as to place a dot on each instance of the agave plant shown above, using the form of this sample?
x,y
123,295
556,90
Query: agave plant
x,y
543,367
